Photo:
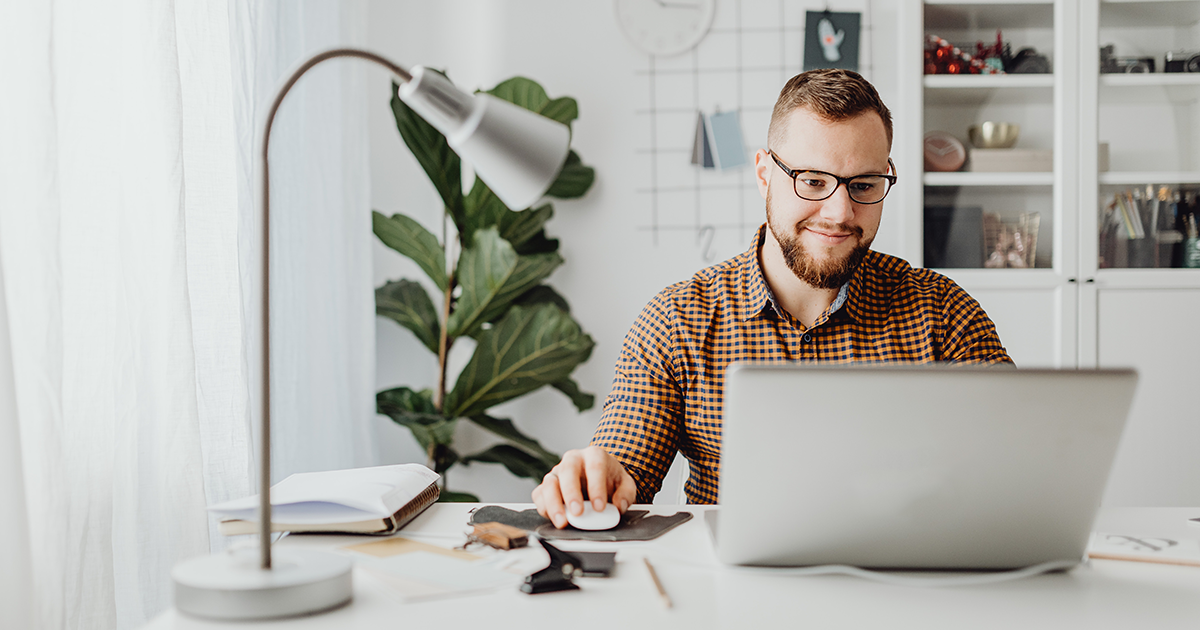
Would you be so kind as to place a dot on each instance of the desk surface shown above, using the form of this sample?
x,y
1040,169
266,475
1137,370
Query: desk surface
x,y
1106,594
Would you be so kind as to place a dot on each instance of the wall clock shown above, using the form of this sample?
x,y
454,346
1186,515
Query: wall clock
x,y
665,27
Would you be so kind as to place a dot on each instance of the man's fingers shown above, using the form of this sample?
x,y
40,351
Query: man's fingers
x,y
569,470
596,471
626,492
551,503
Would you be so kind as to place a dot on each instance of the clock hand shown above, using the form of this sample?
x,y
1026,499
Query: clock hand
x,y
676,5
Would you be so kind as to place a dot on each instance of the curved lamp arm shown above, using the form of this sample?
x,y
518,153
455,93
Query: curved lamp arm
x,y
264,470
516,152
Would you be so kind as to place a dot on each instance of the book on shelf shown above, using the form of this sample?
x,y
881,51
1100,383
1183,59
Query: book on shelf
x,y
376,500
1010,161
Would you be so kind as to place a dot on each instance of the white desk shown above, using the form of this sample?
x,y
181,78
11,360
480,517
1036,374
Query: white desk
x,y
1106,594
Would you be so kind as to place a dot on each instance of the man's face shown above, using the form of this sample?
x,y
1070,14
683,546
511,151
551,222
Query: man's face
x,y
823,241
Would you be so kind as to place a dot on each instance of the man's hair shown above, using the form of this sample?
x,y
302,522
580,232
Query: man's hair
x,y
832,94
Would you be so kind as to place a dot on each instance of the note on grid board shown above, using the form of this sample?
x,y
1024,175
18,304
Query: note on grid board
x,y
718,143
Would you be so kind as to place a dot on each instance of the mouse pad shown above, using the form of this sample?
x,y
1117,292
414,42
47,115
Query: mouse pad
x,y
635,524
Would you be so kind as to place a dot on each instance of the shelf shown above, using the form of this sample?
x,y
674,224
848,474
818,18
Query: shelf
x,y
984,278
1140,13
1152,79
989,179
991,81
961,15
978,89
1149,278
1137,178
988,3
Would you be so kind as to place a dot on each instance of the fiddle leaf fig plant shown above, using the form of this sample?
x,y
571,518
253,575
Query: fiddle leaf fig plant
x,y
494,293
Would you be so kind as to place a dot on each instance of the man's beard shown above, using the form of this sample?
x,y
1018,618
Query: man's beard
x,y
829,274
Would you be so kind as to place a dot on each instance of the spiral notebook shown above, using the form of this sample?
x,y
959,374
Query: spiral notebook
x,y
377,500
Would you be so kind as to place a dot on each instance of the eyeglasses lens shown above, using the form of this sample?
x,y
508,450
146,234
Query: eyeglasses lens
x,y
863,189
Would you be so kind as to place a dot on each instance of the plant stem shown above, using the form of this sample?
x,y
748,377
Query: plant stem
x,y
444,342
439,395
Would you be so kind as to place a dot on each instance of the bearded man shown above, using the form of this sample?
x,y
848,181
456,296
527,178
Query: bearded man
x,y
809,288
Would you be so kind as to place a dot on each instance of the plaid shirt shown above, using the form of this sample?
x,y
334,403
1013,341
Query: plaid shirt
x,y
669,386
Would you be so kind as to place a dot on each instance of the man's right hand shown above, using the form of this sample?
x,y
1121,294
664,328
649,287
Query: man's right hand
x,y
591,469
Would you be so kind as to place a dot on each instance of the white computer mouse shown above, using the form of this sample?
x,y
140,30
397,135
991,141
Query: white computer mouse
x,y
592,520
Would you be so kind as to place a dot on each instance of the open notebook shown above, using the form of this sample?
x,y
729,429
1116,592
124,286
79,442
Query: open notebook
x,y
377,500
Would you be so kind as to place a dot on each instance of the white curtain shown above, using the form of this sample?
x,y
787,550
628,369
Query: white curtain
x,y
16,591
130,257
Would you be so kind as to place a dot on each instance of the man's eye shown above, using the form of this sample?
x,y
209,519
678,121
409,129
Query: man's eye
x,y
863,186
813,183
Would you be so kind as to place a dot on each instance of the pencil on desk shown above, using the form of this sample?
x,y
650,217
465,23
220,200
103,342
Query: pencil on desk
x,y
1186,562
657,584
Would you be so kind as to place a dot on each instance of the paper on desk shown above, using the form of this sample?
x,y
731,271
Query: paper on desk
x,y
423,575
1144,548
336,496
420,571
397,545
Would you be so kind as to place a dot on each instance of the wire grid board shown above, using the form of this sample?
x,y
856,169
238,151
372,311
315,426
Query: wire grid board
x,y
752,49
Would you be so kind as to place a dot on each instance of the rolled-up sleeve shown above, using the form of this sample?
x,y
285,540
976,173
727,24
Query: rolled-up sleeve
x,y
643,415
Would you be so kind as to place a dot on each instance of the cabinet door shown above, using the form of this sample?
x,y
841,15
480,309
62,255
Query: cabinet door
x,y
1035,307
1030,324
1035,315
1139,134
1155,331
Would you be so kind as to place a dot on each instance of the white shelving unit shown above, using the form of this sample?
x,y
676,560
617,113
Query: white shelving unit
x,y
1143,317
1034,309
1072,313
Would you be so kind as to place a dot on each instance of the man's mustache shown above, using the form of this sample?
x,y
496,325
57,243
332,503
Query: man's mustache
x,y
829,228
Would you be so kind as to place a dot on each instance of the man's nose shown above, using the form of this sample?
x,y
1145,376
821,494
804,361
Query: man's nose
x,y
839,208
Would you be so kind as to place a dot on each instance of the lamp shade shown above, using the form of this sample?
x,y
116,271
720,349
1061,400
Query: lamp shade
x,y
516,152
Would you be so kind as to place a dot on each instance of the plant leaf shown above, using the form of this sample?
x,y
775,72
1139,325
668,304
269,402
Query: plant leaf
x,y
522,91
492,275
443,457
543,294
582,401
483,210
527,348
403,399
507,430
447,496
519,227
407,303
529,94
517,461
574,179
415,410
410,238
565,110
539,244
432,151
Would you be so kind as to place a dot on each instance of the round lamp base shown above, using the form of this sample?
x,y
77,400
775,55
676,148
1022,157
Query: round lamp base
x,y
231,586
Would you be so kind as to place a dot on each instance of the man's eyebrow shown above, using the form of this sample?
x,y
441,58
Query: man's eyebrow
x,y
800,169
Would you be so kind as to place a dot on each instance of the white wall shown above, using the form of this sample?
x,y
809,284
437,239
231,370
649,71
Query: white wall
x,y
613,265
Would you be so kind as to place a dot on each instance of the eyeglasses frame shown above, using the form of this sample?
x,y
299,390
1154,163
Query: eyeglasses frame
x,y
794,173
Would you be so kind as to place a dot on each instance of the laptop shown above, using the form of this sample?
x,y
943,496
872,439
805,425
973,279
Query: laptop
x,y
914,467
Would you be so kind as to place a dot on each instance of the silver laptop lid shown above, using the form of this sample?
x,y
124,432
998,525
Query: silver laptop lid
x,y
915,466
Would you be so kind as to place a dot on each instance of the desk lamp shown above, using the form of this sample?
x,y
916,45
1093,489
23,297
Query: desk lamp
x,y
518,153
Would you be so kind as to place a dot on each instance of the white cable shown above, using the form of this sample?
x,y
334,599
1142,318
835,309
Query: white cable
x,y
913,580
887,577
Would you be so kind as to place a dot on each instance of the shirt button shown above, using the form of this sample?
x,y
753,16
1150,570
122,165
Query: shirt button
x,y
807,338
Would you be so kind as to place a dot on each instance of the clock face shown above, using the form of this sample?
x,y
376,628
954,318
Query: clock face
x,y
665,27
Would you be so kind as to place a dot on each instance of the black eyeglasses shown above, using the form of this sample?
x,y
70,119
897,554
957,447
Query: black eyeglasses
x,y
819,185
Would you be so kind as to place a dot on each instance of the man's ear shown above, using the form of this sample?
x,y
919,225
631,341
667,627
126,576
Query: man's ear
x,y
762,171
